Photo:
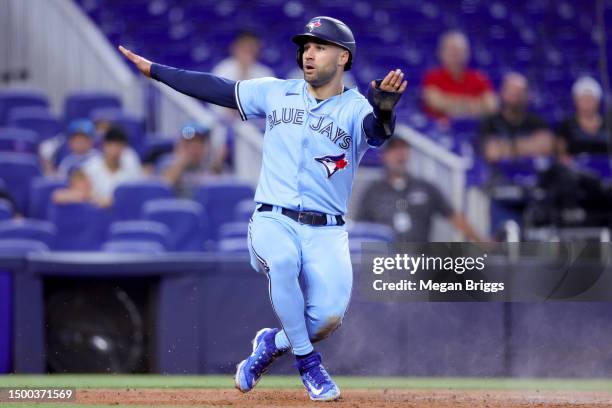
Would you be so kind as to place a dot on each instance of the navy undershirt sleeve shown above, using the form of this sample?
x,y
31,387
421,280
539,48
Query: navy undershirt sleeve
x,y
201,85
379,127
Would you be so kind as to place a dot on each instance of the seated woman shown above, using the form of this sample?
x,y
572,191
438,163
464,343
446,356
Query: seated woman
x,y
79,190
585,131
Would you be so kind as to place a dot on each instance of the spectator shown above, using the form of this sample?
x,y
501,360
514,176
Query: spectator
x,y
405,203
190,160
80,141
113,167
585,131
453,90
514,132
79,190
242,64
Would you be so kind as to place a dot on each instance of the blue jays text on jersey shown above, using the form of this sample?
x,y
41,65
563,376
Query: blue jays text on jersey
x,y
311,148
326,128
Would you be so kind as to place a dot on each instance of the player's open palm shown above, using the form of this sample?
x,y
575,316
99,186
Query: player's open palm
x,y
388,91
143,64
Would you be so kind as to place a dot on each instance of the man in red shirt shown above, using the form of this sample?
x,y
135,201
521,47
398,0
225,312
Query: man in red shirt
x,y
453,90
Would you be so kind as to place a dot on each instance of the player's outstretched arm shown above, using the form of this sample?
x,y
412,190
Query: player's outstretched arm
x,y
383,95
201,85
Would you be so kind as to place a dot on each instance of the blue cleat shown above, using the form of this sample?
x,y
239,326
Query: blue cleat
x,y
250,371
317,381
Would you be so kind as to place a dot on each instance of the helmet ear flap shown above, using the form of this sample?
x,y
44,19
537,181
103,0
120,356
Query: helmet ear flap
x,y
299,53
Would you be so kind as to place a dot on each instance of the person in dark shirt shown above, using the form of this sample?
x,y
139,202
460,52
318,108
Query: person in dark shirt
x,y
585,131
514,131
406,203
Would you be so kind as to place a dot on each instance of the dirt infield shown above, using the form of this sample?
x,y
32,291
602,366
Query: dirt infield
x,y
353,398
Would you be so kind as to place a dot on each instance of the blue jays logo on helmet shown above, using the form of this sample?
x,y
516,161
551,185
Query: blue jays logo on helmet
x,y
314,24
333,163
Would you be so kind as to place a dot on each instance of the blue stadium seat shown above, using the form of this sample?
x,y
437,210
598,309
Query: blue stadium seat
x,y
13,98
18,140
367,232
185,220
25,228
233,245
21,246
17,170
80,227
80,104
219,199
244,210
37,119
147,247
233,237
6,210
130,197
41,190
139,230
233,230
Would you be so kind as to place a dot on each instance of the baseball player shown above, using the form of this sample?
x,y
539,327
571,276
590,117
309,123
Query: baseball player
x,y
317,131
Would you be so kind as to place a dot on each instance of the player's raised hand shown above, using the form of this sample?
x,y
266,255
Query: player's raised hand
x,y
386,93
393,82
143,64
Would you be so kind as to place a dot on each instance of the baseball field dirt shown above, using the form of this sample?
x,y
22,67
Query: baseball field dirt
x,y
286,391
351,398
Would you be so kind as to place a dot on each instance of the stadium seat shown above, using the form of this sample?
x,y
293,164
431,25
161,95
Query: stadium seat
x,y
17,170
219,198
80,227
370,231
13,98
147,247
129,197
25,228
233,237
80,104
18,140
233,245
244,210
37,119
6,210
157,144
139,230
41,190
233,230
184,219
21,246
367,232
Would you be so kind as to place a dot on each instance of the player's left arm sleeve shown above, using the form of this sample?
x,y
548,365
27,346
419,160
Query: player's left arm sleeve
x,y
378,128
201,85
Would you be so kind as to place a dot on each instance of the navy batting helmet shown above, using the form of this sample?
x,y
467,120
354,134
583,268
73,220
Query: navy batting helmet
x,y
329,30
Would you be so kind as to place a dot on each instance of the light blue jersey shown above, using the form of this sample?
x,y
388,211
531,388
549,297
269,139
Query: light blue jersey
x,y
311,149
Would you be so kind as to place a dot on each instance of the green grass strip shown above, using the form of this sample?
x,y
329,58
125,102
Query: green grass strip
x,y
171,381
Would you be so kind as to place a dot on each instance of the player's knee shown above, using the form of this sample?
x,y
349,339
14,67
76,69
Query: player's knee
x,y
326,320
326,327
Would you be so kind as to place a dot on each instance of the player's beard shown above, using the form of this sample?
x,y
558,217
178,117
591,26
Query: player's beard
x,y
321,76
